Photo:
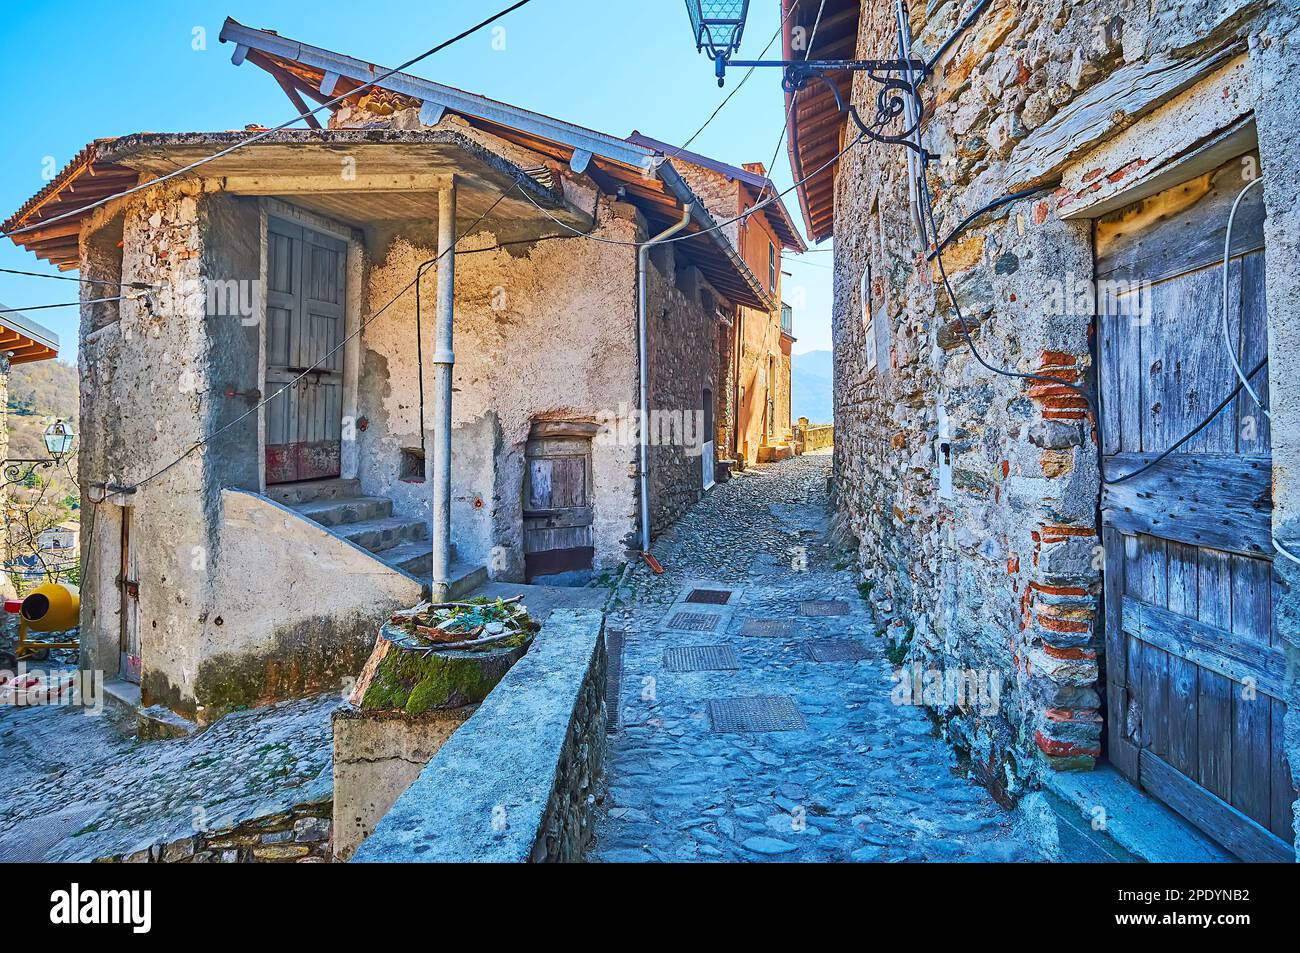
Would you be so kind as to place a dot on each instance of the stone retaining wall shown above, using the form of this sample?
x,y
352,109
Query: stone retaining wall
x,y
519,780
299,835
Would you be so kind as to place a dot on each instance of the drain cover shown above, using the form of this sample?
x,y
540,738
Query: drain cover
x,y
836,650
759,713
712,597
700,658
777,627
694,621
613,679
825,607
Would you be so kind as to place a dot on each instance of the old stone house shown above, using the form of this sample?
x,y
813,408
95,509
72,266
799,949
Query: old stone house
x,y
22,341
756,406
354,363
1089,157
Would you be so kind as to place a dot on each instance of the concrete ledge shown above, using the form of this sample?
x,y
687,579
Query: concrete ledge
x,y
1137,827
516,782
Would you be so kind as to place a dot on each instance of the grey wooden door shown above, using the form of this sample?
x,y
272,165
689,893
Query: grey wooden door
x,y
557,500
1194,667
305,316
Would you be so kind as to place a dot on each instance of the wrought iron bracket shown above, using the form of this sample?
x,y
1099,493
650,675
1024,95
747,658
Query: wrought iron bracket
x,y
898,80
17,471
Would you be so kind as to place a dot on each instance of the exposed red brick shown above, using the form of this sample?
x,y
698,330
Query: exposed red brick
x,y
1013,565
1069,655
1059,590
1121,173
1064,749
1076,715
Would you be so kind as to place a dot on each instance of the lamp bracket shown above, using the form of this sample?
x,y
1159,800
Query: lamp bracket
x,y
898,79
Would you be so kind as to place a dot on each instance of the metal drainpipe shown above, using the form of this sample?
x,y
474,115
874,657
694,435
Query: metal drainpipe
x,y
444,359
642,263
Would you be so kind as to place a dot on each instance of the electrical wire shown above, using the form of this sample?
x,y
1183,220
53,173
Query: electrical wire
x,y
62,304
135,285
274,129
776,197
794,97
1227,338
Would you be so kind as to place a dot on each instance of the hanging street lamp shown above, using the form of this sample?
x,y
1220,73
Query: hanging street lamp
x,y
58,438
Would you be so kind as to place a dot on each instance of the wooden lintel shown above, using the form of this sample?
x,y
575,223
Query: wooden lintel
x,y
303,184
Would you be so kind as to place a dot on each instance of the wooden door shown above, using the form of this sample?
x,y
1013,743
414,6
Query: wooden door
x,y
129,604
1194,666
557,500
305,317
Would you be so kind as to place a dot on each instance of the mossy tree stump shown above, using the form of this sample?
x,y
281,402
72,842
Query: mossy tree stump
x,y
405,673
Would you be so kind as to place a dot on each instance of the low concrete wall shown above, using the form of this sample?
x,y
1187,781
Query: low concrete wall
x,y
818,436
376,757
518,781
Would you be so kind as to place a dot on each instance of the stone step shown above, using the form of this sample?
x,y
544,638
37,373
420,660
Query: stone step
x,y
414,557
355,509
381,534
463,578
291,494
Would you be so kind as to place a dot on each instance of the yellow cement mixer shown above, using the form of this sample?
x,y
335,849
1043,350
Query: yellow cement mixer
x,y
52,607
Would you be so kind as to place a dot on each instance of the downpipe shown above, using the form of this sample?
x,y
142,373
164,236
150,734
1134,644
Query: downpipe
x,y
642,264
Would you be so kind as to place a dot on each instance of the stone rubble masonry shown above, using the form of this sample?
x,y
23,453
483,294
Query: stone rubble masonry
x,y
496,793
6,586
301,835
1002,574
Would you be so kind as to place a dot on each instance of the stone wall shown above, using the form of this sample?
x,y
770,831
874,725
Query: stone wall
x,y
684,359
998,571
519,780
300,835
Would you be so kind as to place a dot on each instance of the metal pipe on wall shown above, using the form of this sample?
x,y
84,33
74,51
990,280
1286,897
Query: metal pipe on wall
x,y
642,264
444,359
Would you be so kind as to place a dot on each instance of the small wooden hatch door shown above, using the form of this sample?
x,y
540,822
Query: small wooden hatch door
x,y
558,499
305,303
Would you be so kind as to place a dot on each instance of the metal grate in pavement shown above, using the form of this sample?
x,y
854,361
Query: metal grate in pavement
x,y
769,627
694,621
700,658
824,607
757,713
836,650
712,597
613,679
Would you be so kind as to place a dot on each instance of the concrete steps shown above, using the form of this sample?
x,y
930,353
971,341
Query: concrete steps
x,y
368,522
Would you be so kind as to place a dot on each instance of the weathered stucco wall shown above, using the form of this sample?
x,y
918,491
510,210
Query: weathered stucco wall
x,y
545,331
998,573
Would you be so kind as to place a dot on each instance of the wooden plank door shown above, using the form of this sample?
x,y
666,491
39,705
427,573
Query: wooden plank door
x,y
305,316
1194,667
557,503
129,602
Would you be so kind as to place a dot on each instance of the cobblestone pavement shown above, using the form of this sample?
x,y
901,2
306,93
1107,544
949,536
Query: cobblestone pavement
x,y
79,787
865,780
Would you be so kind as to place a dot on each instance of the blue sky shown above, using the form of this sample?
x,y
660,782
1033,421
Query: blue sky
x,y
88,70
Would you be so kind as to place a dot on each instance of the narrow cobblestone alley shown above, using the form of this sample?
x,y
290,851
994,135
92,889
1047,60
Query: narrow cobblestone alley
x,y
849,775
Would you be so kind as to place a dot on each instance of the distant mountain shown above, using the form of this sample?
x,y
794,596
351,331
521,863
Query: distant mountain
x,y
811,387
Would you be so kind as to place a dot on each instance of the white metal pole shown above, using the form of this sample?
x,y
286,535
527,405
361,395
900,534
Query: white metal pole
x,y
443,360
